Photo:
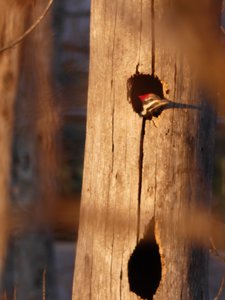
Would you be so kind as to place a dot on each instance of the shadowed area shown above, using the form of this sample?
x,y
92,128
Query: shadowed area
x,y
144,266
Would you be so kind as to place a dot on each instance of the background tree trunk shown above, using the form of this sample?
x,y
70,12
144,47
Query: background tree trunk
x,y
11,25
140,181
34,164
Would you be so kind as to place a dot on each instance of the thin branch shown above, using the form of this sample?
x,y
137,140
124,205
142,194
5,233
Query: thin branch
x,y
222,29
220,289
215,252
14,293
29,30
44,285
223,6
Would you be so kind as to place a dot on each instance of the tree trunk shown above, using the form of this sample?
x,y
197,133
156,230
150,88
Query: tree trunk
x,y
141,180
34,165
10,26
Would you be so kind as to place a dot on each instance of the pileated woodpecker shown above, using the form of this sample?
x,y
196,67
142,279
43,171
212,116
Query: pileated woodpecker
x,y
152,105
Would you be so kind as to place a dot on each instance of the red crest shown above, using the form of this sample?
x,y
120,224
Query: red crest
x,y
145,97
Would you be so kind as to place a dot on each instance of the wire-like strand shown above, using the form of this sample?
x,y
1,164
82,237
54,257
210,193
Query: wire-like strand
x,y
29,30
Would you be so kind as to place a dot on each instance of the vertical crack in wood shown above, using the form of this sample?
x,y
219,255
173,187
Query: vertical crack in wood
x,y
172,118
156,161
112,141
112,86
139,55
175,80
90,289
121,277
141,155
153,35
111,262
113,112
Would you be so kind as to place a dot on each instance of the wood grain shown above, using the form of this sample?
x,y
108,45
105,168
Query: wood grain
x,y
176,159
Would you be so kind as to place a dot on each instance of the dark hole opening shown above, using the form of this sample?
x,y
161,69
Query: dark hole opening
x,y
144,265
140,84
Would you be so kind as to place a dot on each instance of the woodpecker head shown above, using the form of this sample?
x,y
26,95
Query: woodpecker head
x,y
148,97
152,105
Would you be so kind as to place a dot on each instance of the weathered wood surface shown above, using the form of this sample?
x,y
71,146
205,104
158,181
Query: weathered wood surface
x,y
175,162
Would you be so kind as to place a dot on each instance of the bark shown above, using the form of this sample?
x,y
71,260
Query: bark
x,y
141,181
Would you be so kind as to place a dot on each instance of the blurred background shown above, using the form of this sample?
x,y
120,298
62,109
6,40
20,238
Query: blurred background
x,y
40,254
71,20
48,137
